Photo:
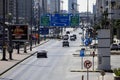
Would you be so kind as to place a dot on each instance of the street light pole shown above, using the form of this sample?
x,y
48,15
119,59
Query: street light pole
x,y
87,16
87,11
31,28
38,22
3,38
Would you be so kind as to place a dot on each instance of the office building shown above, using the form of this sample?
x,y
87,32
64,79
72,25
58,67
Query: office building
x,y
55,6
72,6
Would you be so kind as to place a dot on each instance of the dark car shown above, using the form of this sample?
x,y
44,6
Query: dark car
x,y
75,36
65,37
72,38
119,46
65,43
114,47
68,32
42,54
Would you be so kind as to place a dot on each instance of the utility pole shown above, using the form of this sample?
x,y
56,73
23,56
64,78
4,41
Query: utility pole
x,y
31,27
87,11
3,38
38,22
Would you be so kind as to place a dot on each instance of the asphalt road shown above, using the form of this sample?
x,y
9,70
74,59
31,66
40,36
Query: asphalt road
x,y
57,66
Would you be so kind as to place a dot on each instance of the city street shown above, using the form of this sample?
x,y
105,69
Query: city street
x,y
59,39
60,64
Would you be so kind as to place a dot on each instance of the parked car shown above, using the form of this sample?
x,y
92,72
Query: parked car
x,y
114,46
65,43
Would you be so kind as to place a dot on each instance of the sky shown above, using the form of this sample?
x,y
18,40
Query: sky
x,y
82,5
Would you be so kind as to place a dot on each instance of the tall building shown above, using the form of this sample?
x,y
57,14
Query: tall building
x,y
114,9
99,9
1,9
72,6
25,10
12,10
94,9
55,6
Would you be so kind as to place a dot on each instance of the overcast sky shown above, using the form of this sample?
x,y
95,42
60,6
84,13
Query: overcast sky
x,y
83,5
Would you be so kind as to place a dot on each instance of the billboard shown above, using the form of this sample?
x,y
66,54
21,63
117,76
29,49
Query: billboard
x,y
19,32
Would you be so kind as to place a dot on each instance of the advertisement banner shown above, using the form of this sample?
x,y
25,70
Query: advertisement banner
x,y
19,32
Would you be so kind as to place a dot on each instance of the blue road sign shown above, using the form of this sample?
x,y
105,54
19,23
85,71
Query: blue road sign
x,y
82,53
60,19
44,31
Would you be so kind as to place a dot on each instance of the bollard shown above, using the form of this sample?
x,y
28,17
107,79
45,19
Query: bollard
x,y
82,77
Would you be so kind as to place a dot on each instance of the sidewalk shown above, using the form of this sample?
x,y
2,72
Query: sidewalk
x,y
17,58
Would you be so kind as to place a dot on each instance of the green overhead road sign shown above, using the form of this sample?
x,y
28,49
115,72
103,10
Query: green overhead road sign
x,y
45,20
60,20
74,21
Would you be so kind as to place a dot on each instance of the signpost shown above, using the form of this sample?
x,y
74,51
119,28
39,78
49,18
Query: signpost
x,y
87,65
93,54
82,51
102,73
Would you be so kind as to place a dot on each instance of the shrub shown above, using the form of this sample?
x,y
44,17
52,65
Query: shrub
x,y
117,71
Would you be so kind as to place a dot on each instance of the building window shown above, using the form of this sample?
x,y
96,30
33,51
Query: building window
x,y
118,5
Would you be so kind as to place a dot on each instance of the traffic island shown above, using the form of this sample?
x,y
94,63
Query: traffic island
x,y
84,70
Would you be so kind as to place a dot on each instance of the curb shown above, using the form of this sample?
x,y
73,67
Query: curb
x,y
110,71
78,55
84,70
